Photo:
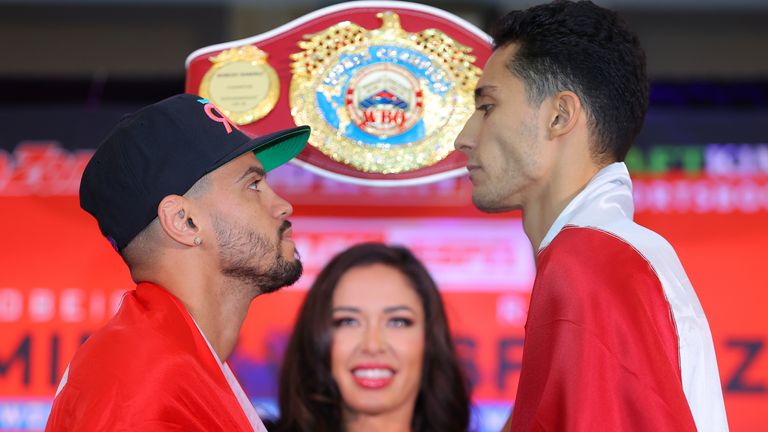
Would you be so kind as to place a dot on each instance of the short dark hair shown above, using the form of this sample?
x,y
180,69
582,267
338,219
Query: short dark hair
x,y
137,249
586,49
310,399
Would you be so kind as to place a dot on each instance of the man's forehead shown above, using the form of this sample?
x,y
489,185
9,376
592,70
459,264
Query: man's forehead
x,y
485,90
500,57
239,165
505,52
496,75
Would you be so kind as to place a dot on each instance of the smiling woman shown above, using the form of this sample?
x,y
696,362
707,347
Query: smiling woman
x,y
359,358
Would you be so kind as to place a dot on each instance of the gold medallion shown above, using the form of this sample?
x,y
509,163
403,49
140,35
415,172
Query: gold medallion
x,y
242,85
384,100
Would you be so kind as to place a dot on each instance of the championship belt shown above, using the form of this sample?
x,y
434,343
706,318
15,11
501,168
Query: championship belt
x,y
385,86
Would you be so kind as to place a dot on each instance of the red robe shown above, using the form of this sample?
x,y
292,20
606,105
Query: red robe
x,y
148,369
616,339
600,351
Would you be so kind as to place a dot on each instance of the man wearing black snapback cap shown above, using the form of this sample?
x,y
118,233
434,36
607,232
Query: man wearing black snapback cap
x,y
181,194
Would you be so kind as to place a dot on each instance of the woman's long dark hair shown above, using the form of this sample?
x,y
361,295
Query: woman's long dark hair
x,y
310,400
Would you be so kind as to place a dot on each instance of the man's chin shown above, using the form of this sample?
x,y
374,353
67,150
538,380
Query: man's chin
x,y
488,205
296,273
291,255
288,249
485,205
290,273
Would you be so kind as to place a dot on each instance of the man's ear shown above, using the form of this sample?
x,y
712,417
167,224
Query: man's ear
x,y
565,111
175,216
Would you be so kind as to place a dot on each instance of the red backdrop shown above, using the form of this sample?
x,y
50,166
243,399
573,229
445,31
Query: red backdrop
x,y
60,280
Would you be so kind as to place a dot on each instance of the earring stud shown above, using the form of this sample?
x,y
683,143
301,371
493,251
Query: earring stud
x,y
197,241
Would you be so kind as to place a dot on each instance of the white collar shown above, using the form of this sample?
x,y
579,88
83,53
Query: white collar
x,y
242,398
607,197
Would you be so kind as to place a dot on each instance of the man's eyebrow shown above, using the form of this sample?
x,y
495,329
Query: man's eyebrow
x,y
252,170
484,90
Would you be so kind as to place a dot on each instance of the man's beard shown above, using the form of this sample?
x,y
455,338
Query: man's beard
x,y
253,259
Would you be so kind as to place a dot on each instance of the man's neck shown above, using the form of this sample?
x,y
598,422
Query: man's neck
x,y
541,211
218,305
220,313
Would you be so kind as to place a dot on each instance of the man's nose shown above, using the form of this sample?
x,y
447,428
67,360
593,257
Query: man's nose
x,y
466,139
283,209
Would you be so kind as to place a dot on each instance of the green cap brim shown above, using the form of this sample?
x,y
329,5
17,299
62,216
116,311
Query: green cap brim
x,y
282,149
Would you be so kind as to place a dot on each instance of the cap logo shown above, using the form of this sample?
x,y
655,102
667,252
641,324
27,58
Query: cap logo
x,y
211,112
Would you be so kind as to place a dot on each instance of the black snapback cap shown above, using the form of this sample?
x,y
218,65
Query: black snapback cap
x,y
163,149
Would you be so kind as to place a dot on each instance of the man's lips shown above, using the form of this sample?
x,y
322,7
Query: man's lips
x,y
472,169
285,231
287,234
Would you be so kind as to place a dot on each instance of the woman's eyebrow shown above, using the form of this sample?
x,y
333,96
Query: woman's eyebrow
x,y
346,309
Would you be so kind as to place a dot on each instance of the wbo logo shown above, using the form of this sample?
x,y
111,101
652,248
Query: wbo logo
x,y
385,100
